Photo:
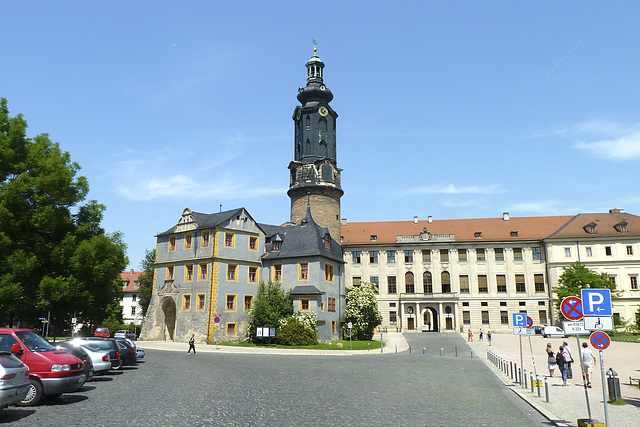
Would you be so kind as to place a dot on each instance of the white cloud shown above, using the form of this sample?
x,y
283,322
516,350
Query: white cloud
x,y
452,189
544,207
605,140
623,148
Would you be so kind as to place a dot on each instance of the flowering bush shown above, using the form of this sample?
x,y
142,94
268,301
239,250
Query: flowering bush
x,y
362,311
298,329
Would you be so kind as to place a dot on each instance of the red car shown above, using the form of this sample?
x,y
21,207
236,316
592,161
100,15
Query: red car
x,y
101,332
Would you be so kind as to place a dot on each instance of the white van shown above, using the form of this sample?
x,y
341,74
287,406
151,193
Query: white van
x,y
553,331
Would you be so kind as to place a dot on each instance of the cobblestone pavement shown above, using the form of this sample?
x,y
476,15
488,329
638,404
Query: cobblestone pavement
x,y
171,388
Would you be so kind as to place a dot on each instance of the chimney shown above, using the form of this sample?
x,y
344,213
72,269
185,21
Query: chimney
x,y
430,219
616,211
344,221
505,216
415,219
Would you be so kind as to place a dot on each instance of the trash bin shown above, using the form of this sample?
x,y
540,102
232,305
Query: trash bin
x,y
613,386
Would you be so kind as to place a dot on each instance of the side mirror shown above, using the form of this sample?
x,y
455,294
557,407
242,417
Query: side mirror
x,y
16,349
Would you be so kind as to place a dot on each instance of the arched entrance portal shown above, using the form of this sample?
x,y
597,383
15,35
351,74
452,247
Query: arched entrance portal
x,y
430,320
169,312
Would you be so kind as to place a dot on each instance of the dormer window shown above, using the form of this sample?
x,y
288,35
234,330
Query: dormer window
x,y
373,237
622,226
477,234
327,241
591,228
514,234
276,245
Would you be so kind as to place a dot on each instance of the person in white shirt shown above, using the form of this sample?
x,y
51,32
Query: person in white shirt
x,y
587,357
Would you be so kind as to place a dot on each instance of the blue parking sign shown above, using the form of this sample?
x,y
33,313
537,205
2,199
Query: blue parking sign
x,y
596,302
520,319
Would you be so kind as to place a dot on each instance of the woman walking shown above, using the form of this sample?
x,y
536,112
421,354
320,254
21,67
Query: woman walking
x,y
551,360
192,345
562,365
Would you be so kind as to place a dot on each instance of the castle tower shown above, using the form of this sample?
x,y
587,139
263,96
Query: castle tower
x,y
314,174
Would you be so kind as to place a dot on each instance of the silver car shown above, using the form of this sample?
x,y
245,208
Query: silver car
x,y
14,380
100,358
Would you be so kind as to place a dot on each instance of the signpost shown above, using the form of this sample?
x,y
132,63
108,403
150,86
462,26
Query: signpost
x,y
520,323
529,322
350,325
575,328
598,323
600,340
597,302
571,308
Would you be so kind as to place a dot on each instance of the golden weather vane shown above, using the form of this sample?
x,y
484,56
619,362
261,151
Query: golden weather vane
x,y
315,46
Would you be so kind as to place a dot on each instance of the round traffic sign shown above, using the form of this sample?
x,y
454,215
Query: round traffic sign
x,y
571,308
529,322
216,319
600,340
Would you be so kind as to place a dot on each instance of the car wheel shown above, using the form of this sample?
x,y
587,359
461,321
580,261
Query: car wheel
x,y
33,395
545,336
119,364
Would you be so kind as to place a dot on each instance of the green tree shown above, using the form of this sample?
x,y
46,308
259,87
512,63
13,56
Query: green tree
x,y
577,277
146,280
362,310
56,256
271,304
638,319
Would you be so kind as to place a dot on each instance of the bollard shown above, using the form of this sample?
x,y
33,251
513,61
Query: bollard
x,y
409,349
538,380
531,378
546,388
457,353
368,346
524,376
396,349
511,366
424,350
441,351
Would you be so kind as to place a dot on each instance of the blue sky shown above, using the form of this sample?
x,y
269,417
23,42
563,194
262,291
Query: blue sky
x,y
451,109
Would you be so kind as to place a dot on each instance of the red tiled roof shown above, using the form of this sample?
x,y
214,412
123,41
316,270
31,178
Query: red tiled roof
x,y
605,225
131,277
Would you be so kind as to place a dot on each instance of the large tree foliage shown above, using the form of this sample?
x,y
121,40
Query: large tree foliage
x,y
146,280
362,311
270,306
54,256
577,277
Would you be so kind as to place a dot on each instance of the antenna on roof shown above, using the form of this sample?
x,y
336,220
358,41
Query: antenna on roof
x,y
220,207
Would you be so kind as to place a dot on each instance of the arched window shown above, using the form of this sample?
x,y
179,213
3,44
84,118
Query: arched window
x,y
408,283
445,279
427,283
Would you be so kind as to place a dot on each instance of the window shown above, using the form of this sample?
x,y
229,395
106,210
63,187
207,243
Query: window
x,y
186,302
542,315
203,272
172,243
391,256
501,282
480,255
408,256
483,286
514,234
356,257
253,243
538,282
589,251
200,305
333,327
276,245
629,250
520,286
499,252
331,303
373,237
445,280
464,284
231,328
462,255
187,240
392,304
567,252
536,254
228,240
633,281
517,254
504,317
484,304
188,273
408,283
125,284
477,234
466,317
134,297
231,272
503,303
542,303
607,250
170,272
133,311
328,272
613,279
248,302
231,302
485,317
304,305
522,303
427,283
375,281
391,285
465,303
355,281
303,268
393,317
277,272
327,241
444,255
373,257
426,255
205,239
253,274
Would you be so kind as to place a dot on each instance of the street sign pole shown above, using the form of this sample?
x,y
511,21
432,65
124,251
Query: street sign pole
x,y
535,370
521,364
584,377
604,390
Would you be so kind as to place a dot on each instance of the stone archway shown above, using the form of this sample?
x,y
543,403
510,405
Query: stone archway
x,y
169,321
430,320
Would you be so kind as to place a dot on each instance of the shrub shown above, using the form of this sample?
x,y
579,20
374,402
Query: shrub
x,y
297,330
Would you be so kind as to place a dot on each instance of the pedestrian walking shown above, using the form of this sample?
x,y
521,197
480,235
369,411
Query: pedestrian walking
x,y
562,365
480,334
551,360
569,358
587,357
470,336
192,345
489,337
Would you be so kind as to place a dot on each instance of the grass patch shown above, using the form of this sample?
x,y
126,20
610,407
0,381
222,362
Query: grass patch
x,y
333,345
625,336
618,402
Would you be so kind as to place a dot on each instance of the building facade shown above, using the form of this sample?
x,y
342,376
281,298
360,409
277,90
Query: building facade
x,y
131,310
439,275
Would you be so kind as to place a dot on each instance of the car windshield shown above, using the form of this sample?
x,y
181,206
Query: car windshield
x,y
34,342
103,345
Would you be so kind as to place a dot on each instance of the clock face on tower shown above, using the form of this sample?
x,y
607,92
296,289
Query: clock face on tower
x,y
323,111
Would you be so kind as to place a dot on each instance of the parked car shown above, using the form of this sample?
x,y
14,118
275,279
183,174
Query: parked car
x,y
125,334
80,353
14,380
553,331
101,332
139,353
51,372
109,345
127,352
537,329
99,358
